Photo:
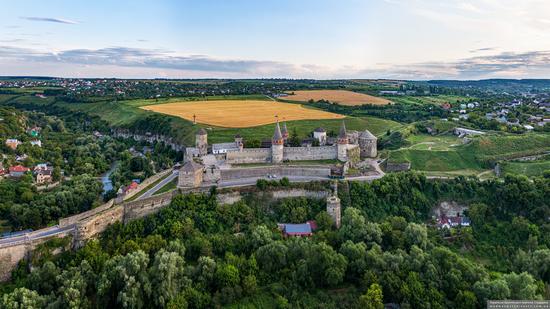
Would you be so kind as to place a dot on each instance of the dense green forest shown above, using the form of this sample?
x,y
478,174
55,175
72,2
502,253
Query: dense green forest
x,y
77,157
196,253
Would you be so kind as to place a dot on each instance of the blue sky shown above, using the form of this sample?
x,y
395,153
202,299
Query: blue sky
x,y
408,39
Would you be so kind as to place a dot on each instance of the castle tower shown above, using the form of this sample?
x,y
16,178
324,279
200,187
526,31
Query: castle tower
x,y
320,134
277,145
239,142
334,206
201,142
284,131
342,143
368,145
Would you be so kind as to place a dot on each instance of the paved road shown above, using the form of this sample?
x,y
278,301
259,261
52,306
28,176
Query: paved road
x,y
158,186
50,231
14,240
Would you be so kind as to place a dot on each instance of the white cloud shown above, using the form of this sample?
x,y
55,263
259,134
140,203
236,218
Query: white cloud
x,y
137,62
50,20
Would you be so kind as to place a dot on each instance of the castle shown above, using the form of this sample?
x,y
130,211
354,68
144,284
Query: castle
x,y
348,147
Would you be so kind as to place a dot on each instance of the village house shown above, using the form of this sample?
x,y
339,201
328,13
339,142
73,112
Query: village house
x,y
36,142
40,167
21,158
18,171
133,186
445,222
298,230
44,176
12,143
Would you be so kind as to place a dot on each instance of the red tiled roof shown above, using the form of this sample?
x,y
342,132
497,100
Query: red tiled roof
x,y
131,187
19,168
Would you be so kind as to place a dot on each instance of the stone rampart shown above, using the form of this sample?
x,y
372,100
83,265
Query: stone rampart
x,y
74,219
144,207
249,155
310,153
98,220
398,167
228,198
90,227
11,254
299,193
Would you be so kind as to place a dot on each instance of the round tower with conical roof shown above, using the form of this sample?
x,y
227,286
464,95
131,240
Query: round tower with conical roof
x,y
342,143
201,141
284,131
367,144
277,145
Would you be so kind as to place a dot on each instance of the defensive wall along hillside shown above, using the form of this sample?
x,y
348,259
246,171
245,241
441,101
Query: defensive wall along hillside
x,y
85,226
13,252
93,212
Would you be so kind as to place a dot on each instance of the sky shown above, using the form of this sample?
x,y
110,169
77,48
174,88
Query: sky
x,y
321,39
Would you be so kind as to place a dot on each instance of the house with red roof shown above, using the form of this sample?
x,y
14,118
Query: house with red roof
x,y
130,188
18,171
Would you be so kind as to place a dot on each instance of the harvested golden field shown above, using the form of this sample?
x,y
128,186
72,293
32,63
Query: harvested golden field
x,y
239,113
343,97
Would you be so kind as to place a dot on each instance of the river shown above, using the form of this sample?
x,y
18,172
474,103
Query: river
x,y
107,184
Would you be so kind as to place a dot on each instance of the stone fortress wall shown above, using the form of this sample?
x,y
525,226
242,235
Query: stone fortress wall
x,y
310,153
249,155
263,155
88,225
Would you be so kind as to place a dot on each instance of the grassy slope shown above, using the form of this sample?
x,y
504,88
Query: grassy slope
x,y
124,113
529,169
509,146
473,155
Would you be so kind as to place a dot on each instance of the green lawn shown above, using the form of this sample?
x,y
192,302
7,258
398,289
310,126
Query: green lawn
x,y
429,142
431,160
503,147
530,169
168,187
445,153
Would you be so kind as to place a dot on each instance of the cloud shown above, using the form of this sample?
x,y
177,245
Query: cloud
x,y
533,64
149,58
482,49
156,62
50,19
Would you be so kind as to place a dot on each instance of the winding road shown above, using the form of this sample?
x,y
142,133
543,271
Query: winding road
x,y
243,182
159,185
